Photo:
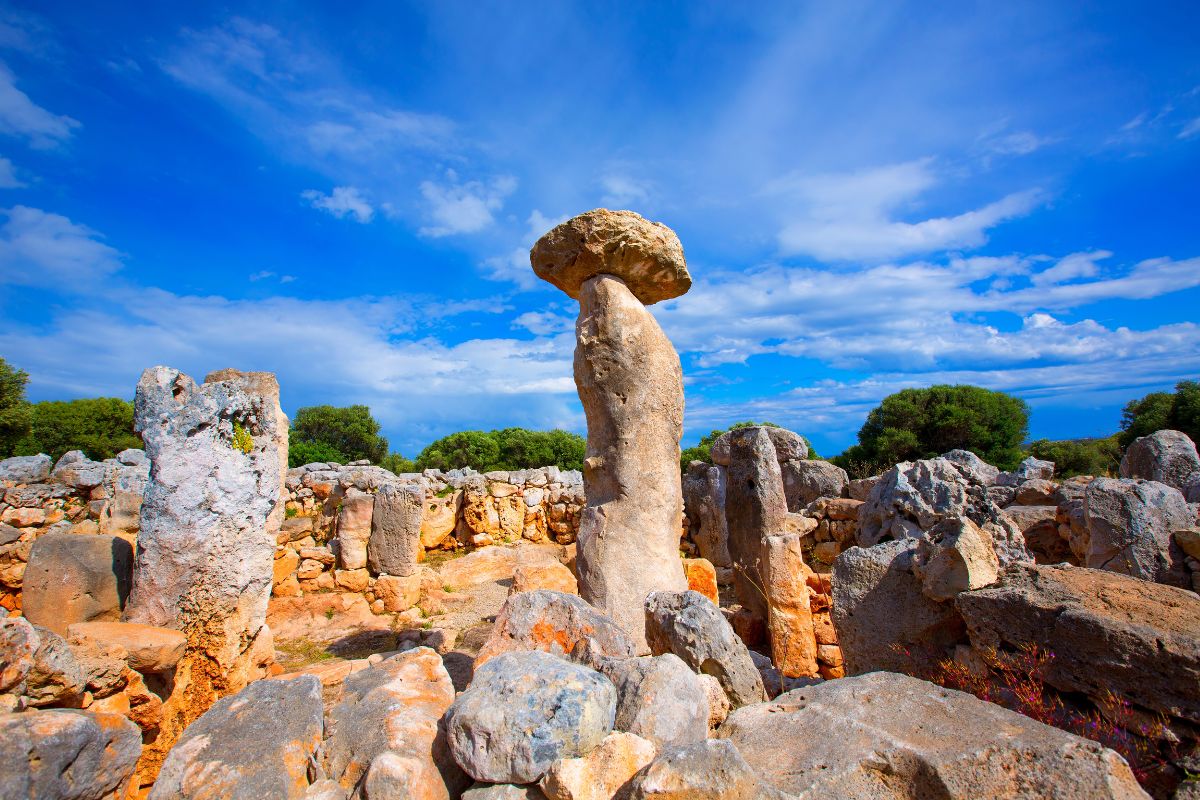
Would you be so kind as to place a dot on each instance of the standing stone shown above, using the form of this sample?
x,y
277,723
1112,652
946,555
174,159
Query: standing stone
x,y
789,620
755,507
206,546
395,543
631,385
76,578
354,528
704,500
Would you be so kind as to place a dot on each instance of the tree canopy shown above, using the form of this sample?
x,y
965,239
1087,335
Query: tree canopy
x,y
99,426
327,433
1178,410
1101,457
16,415
924,423
506,449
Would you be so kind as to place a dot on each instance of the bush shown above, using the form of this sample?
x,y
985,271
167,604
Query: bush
x,y
16,416
397,463
99,426
326,433
1101,457
506,449
924,423
1178,411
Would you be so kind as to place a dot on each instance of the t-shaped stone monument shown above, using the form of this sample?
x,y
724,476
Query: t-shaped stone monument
x,y
631,385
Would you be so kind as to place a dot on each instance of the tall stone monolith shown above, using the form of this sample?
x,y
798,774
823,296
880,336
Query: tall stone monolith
x,y
212,509
631,385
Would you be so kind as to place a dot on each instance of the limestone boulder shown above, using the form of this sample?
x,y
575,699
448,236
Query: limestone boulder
x,y
1107,632
385,739
256,743
955,556
704,503
67,755
439,518
631,386
603,773
1036,492
884,620
525,711
789,620
18,642
646,256
659,698
701,577
551,575
26,469
557,623
1165,456
788,445
76,578
55,677
503,791
76,470
755,507
712,769
805,481
961,747
395,544
147,648
690,626
973,468
1129,527
354,528
1034,469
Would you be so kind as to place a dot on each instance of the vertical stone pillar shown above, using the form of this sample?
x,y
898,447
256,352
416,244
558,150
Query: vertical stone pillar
x,y
631,385
789,615
218,456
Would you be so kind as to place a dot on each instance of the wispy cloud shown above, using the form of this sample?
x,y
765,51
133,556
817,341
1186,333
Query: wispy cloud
x,y
342,202
8,175
23,118
463,207
38,248
514,266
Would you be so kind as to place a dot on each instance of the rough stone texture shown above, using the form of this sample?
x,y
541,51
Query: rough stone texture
x,y
524,711
789,620
1191,491
755,507
55,678
1033,469
1106,631
805,481
66,755
26,469
718,702
1036,492
659,698
646,255
602,774
253,744
1129,524
1165,456
860,488
708,770
503,791
148,649
883,619
18,642
395,544
900,737
385,738
955,556
631,386
704,502
912,497
701,577
974,468
73,578
551,575
209,522
789,446
690,626
557,623
354,528
398,594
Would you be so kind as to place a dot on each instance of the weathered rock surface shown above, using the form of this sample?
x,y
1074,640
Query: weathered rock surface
x,y
805,481
789,620
73,578
1106,631
973,468
709,770
354,528
148,649
1129,526
631,386
704,502
524,711
755,507
955,556
602,774
883,619
18,642
659,698
385,739
55,677
646,255
253,744
789,446
26,469
66,755
395,544
1165,456
551,575
690,626
902,737
503,791
557,623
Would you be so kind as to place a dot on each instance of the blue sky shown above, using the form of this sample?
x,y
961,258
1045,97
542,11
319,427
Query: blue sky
x,y
870,196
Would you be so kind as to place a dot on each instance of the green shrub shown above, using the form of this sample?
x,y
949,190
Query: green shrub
x,y
335,434
99,426
1178,411
1101,457
16,415
505,449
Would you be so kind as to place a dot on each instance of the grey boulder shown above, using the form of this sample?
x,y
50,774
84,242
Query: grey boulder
x,y
1165,456
1129,527
395,543
67,755
26,469
659,698
805,481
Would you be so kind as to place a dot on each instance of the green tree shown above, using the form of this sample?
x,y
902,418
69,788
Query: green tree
x,y
397,463
16,416
1071,457
924,423
99,426
505,449
1178,411
301,453
350,432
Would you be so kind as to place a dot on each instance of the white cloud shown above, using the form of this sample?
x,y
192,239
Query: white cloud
x,y
20,116
1191,129
1021,143
514,266
342,202
850,216
1076,265
457,207
8,175
623,191
544,323
38,248
268,274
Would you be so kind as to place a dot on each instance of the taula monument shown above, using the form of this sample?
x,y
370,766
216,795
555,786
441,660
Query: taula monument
x,y
631,384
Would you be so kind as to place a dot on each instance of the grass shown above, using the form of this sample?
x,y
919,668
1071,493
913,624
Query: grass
x,y
436,558
301,652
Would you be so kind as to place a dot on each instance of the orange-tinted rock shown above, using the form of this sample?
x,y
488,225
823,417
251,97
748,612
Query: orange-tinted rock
x,y
557,623
701,577
543,575
150,649
789,620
